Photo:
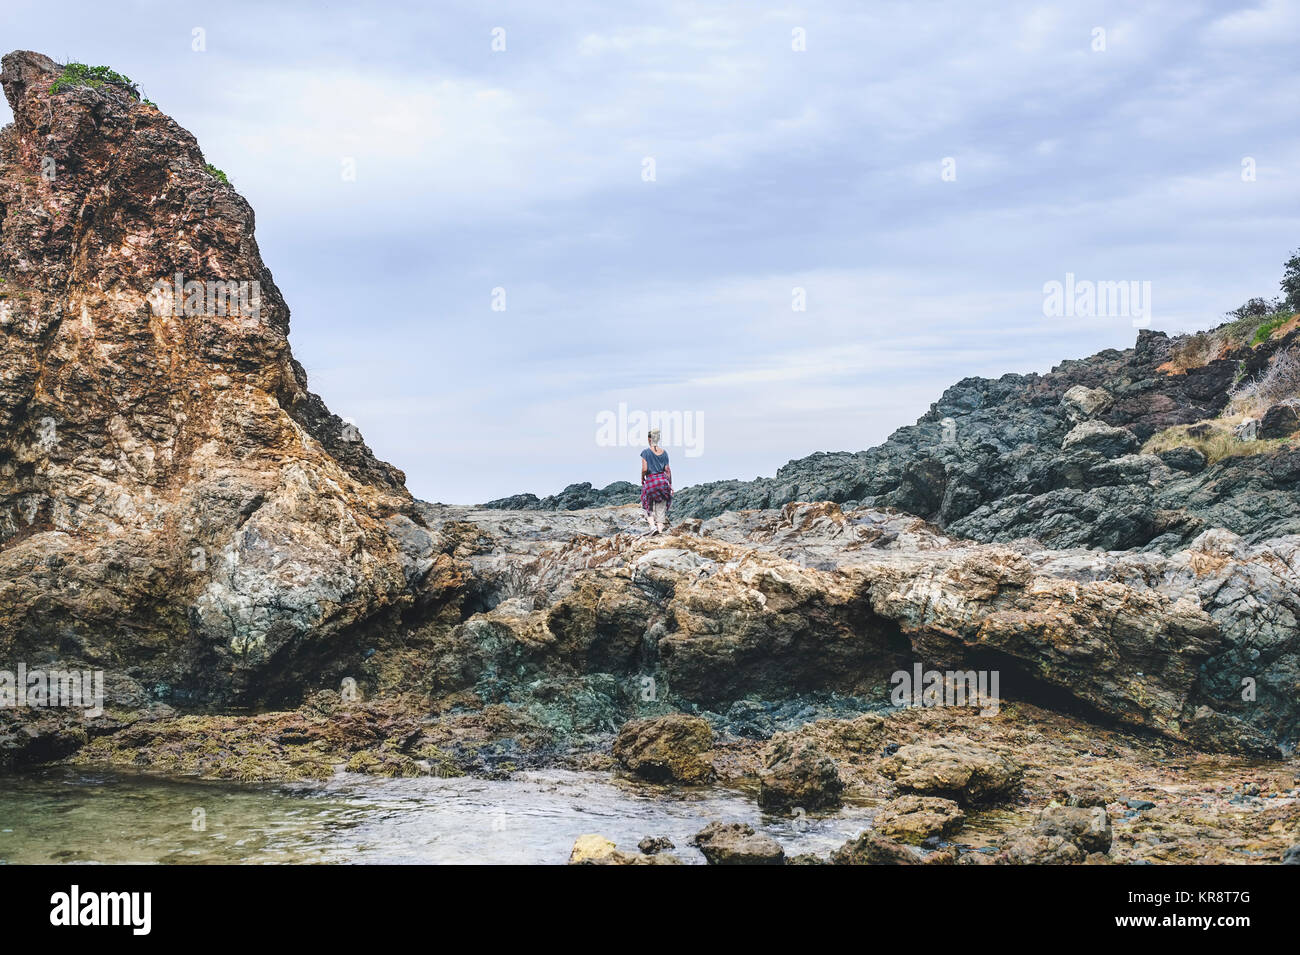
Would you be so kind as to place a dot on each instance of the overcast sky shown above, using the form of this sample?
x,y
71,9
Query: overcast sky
x,y
919,170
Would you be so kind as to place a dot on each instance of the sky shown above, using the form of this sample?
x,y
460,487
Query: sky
x,y
505,232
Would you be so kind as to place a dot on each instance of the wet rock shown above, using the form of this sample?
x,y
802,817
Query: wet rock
x,y
652,845
670,748
1089,829
1139,804
871,848
798,775
954,768
36,735
917,819
736,843
592,849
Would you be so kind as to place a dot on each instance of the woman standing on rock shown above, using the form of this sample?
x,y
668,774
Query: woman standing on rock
x,y
656,484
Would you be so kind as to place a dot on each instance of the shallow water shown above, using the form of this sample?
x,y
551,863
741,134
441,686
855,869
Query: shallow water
x,y
67,815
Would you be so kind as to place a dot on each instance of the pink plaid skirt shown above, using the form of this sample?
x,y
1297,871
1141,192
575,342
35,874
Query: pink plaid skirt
x,y
656,487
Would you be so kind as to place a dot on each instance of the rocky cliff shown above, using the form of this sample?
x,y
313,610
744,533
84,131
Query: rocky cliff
x,y
176,508
174,502
1058,457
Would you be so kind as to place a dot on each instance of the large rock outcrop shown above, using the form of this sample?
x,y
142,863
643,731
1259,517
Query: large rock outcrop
x,y
174,502
1201,645
1053,457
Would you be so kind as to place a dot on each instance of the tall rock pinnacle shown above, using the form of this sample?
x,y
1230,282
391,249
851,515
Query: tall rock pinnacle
x,y
174,502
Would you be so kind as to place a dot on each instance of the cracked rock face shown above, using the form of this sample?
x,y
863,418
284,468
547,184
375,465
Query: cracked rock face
x,y
811,597
174,502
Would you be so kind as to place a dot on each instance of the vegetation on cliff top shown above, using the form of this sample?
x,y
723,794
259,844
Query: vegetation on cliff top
x,y
1252,323
79,74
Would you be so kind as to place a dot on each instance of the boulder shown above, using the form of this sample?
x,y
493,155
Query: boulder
x,y
592,849
670,748
1184,458
871,848
954,768
798,775
913,819
736,843
1280,421
1104,439
1085,402
1088,828
1039,849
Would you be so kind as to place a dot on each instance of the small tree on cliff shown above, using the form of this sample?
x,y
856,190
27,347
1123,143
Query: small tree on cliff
x,y
1291,282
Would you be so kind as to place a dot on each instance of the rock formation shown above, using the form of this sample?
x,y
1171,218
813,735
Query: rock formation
x,y
174,502
1055,457
178,509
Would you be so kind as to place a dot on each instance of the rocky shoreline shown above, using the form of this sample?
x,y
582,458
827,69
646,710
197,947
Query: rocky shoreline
x,y
265,601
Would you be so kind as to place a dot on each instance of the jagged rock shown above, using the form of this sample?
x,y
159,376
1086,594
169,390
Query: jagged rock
x,y
797,775
573,497
1184,459
1106,440
652,845
1279,421
914,819
1248,430
173,499
1089,829
953,768
811,598
1087,402
871,848
670,748
736,843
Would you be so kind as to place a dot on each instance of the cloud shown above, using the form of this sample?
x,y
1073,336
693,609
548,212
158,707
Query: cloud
x,y
776,168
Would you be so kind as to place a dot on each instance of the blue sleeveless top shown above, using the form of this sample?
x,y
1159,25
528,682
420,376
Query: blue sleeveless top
x,y
655,463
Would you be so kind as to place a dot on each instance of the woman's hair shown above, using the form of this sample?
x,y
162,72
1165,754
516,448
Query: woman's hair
x,y
653,436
